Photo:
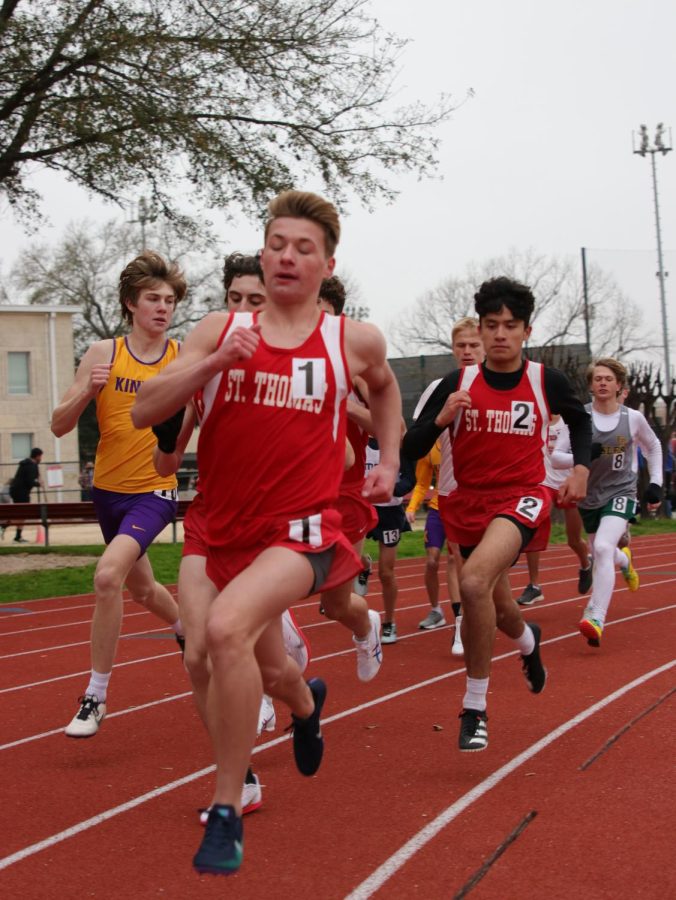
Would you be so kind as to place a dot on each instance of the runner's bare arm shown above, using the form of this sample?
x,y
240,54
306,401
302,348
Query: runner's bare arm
x,y
201,358
358,413
574,488
92,374
349,455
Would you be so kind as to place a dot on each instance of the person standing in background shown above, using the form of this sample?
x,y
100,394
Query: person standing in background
x,y
26,477
86,480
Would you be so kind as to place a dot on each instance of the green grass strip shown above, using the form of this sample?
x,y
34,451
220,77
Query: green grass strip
x,y
165,559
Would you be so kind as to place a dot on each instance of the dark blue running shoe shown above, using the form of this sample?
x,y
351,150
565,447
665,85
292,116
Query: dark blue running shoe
x,y
308,743
222,846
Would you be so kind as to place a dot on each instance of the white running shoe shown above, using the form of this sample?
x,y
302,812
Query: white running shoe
x,y
369,651
252,798
267,718
86,721
456,647
294,640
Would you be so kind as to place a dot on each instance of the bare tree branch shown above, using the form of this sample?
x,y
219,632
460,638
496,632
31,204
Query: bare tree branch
x,y
615,322
233,100
84,267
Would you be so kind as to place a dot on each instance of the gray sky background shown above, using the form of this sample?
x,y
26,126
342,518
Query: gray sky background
x,y
541,157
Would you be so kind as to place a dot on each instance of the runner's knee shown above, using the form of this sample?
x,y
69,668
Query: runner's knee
x,y
473,586
107,579
224,636
196,661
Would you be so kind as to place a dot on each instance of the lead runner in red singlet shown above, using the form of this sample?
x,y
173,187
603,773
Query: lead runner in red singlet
x,y
244,292
497,415
275,392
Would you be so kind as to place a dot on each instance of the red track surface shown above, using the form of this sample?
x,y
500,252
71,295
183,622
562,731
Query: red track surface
x,y
395,809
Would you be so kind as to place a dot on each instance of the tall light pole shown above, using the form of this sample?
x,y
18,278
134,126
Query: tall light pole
x,y
661,144
146,213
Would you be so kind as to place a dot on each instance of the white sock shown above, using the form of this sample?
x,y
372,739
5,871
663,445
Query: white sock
x,y
475,693
526,643
178,627
621,559
98,684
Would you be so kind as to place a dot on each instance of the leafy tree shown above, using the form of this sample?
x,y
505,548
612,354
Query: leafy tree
x,y
236,99
615,322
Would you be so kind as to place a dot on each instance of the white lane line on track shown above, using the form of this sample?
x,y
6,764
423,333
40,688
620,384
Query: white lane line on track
x,y
131,662
377,701
113,715
44,650
4,634
416,562
555,551
56,609
401,637
391,866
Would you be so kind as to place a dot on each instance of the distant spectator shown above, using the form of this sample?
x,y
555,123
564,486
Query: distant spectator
x,y
26,477
85,480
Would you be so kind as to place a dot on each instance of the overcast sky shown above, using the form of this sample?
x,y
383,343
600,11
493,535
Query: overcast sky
x,y
541,156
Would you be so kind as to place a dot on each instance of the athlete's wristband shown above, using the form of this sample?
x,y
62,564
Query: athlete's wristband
x,y
167,432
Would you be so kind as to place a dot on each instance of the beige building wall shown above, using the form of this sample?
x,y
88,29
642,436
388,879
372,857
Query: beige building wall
x,y
46,334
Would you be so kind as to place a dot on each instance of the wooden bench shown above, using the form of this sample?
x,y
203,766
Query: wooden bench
x,y
76,512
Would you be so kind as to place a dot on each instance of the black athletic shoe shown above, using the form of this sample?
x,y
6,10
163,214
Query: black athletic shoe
x,y
222,846
308,743
533,670
531,593
473,730
180,640
585,580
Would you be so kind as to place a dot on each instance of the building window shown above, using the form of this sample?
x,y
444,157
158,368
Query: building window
x,y
18,372
22,445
